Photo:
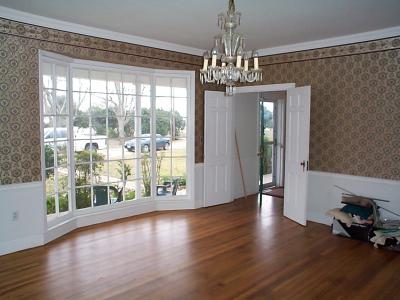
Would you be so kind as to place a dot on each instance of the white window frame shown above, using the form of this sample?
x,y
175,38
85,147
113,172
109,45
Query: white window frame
x,y
45,56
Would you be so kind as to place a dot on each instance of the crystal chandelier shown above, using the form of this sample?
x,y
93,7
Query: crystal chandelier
x,y
229,49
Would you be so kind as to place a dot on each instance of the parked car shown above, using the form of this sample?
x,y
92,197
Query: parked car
x,y
162,143
81,138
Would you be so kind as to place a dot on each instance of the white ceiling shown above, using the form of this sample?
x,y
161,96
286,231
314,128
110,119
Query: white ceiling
x,y
192,23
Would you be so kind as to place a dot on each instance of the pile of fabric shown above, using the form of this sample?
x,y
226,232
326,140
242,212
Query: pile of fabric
x,y
360,219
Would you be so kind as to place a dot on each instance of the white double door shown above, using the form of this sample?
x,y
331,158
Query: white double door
x,y
218,137
217,148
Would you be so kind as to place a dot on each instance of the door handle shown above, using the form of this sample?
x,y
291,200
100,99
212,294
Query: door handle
x,y
307,166
303,164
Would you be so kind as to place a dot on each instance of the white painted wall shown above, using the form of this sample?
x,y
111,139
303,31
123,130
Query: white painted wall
x,y
26,230
245,122
322,195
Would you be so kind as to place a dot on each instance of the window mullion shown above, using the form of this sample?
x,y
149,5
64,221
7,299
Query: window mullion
x,y
70,143
138,130
90,143
153,158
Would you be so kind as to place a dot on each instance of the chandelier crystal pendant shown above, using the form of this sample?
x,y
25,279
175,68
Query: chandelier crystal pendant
x,y
229,49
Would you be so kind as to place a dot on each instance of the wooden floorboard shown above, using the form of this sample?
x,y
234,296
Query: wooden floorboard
x,y
232,251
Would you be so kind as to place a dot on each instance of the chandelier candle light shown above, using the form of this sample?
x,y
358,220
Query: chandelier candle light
x,y
229,50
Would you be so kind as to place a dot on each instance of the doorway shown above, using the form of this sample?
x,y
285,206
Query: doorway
x,y
240,123
271,142
267,143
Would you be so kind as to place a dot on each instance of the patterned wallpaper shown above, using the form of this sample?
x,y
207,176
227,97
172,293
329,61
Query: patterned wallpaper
x,y
355,107
19,92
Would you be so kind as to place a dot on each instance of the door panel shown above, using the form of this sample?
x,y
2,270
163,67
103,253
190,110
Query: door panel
x,y
217,148
297,153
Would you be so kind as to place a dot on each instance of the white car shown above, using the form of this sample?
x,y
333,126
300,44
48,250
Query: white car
x,y
81,138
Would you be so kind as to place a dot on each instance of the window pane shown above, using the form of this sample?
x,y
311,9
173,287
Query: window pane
x,y
48,102
61,77
114,83
48,129
163,125
178,147
99,172
47,75
98,104
181,187
129,105
163,104
116,106
61,103
179,87
163,87
145,144
115,171
180,125
145,105
62,180
179,166
180,107
80,80
146,175
50,181
129,148
51,204
143,85
179,174
83,197
145,130
115,149
116,193
129,170
49,155
62,154
129,128
146,187
97,147
129,85
98,82
61,132
82,173
112,129
130,190
82,131
163,167
81,103
99,126
63,202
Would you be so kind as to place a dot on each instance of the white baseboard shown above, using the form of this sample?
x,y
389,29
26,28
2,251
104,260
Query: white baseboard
x,y
114,214
174,204
21,244
59,230
319,218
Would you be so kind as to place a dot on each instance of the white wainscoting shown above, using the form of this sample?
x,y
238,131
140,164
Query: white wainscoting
x,y
26,229
30,228
199,185
323,195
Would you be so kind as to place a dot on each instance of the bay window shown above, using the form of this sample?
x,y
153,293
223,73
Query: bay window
x,y
113,135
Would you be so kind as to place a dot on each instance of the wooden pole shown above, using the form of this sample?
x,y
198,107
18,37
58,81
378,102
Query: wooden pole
x,y
240,165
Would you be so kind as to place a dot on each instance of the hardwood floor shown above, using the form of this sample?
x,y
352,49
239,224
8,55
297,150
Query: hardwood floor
x,y
223,252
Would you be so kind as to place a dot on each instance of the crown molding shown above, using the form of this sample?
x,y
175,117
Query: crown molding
x,y
20,16
330,42
24,17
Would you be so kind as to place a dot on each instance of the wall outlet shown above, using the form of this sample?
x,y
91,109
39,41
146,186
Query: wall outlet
x,y
15,215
